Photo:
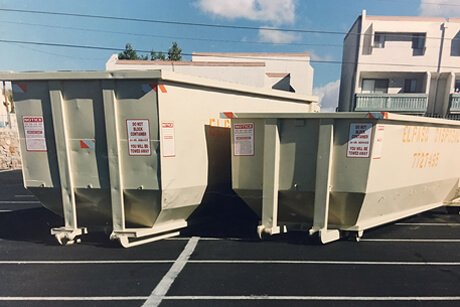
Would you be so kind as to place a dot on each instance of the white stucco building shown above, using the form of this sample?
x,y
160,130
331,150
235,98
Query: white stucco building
x,y
282,71
401,64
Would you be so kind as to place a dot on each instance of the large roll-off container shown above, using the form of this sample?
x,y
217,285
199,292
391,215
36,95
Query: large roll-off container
x,y
132,151
347,172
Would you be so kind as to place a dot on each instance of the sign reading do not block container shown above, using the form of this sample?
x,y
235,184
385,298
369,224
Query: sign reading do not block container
x,y
359,140
138,137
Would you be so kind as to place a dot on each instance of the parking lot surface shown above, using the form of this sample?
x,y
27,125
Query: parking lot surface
x,y
219,261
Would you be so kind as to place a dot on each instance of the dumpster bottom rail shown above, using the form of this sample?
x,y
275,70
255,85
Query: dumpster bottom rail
x,y
132,237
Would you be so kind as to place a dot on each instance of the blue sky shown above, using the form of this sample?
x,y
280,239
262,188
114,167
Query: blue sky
x,y
321,15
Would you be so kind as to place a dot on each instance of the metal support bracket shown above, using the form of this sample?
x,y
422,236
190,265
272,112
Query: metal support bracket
x,y
323,184
269,223
65,235
113,152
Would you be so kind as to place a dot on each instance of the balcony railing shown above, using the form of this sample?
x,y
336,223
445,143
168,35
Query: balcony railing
x,y
407,103
455,103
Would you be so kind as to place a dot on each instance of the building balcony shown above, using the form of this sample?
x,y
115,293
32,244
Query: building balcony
x,y
406,103
455,103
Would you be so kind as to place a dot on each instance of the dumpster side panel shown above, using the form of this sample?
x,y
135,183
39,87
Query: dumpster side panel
x,y
417,170
247,170
34,102
416,153
297,181
137,105
137,112
350,168
84,118
80,108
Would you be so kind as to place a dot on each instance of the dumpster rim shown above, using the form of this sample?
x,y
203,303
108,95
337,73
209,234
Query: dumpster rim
x,y
381,116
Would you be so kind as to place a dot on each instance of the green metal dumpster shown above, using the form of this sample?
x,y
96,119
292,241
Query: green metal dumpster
x,y
342,172
128,150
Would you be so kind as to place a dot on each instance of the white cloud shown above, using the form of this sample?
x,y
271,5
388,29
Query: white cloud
x,y
275,11
442,8
328,96
315,57
277,37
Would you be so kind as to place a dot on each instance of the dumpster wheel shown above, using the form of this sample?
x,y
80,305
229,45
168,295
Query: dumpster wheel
x,y
358,235
353,235
68,236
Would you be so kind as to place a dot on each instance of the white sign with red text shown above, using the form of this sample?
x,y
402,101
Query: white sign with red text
x,y
243,139
359,140
138,137
168,139
34,131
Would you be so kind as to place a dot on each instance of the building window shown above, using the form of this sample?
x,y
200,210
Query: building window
x,y
379,40
418,40
455,45
375,86
418,43
410,86
457,86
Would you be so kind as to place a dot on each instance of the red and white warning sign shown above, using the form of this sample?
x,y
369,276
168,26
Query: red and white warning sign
x,y
34,131
359,140
138,137
243,139
168,141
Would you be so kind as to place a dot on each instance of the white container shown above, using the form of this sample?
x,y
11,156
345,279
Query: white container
x,y
342,171
134,151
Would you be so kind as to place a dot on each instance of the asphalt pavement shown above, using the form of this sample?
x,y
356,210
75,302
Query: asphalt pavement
x,y
219,261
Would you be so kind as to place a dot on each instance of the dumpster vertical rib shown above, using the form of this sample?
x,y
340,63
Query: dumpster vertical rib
x,y
67,234
113,153
271,171
323,182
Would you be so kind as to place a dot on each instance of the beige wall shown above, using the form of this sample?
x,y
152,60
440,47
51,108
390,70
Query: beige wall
x,y
295,64
252,75
269,70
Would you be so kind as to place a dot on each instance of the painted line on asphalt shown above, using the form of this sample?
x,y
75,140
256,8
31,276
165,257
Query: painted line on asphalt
x,y
240,298
73,298
3,202
64,262
5,211
211,239
325,262
428,224
319,298
316,262
163,286
412,240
